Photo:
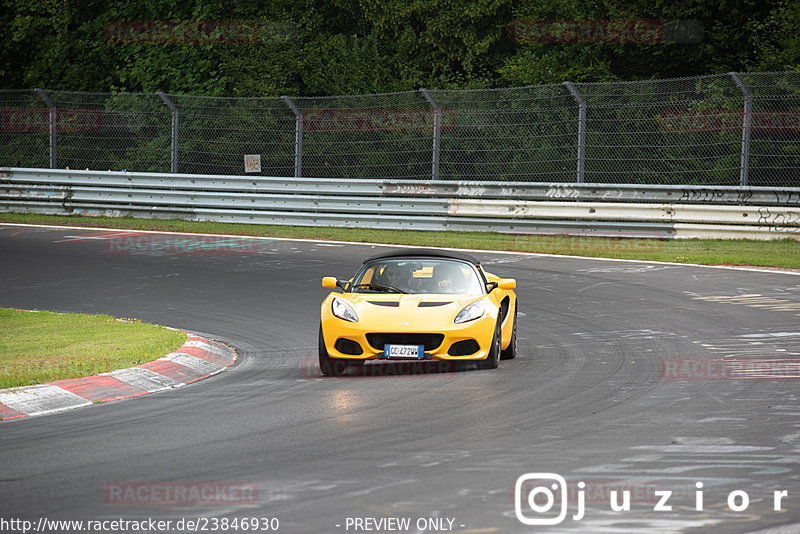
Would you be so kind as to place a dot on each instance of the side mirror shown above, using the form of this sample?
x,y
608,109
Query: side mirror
x,y
503,283
507,283
329,282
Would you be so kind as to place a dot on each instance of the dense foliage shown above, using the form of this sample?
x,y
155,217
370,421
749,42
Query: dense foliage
x,y
323,47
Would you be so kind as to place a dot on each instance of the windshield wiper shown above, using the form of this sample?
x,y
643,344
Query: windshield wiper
x,y
380,286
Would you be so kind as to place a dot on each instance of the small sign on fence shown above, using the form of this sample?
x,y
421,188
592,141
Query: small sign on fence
x,y
252,163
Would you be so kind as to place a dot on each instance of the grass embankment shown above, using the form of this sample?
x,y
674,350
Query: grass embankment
x,y
38,347
774,253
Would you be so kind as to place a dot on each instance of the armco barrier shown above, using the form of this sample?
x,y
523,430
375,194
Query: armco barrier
x,y
520,207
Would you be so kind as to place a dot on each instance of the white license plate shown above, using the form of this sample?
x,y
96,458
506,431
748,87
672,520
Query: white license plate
x,y
404,351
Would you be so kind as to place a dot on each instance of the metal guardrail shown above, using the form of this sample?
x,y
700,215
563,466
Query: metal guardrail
x,y
658,211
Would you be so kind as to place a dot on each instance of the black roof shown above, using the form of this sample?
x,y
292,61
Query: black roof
x,y
425,253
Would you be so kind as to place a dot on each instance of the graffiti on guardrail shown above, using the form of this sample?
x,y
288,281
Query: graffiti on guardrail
x,y
783,221
376,120
467,189
562,191
410,189
611,194
459,189
714,195
787,197
26,192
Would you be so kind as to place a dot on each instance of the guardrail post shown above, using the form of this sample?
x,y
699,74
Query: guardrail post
x,y
746,123
298,136
174,150
53,115
581,129
437,132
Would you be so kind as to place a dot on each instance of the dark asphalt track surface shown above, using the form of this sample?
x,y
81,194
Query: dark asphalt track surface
x,y
585,398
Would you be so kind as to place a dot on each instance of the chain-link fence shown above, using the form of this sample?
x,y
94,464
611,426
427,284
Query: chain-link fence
x,y
727,129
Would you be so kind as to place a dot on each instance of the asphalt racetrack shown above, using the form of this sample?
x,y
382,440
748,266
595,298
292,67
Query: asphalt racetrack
x,y
630,376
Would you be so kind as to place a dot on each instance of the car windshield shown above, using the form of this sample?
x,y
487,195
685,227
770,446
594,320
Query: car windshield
x,y
404,275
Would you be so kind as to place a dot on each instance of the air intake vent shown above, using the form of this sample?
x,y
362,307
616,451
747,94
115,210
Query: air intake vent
x,y
463,348
388,304
348,346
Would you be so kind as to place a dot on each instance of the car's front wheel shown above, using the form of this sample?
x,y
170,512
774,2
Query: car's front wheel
x,y
493,359
511,351
329,366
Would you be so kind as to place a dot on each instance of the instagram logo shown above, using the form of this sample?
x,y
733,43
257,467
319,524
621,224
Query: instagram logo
x,y
543,492
540,498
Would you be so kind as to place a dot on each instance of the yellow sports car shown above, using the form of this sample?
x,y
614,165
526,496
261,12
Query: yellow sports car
x,y
418,304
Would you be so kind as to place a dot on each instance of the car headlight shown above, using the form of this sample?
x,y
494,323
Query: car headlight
x,y
471,312
343,310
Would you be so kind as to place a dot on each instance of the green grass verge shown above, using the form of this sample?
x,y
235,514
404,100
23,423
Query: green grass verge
x,y
775,253
38,347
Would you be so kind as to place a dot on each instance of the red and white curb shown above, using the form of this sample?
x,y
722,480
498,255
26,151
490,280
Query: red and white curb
x,y
198,358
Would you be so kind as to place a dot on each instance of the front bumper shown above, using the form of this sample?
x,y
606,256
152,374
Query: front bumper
x,y
340,337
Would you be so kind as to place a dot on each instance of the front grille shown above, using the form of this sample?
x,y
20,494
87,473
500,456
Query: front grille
x,y
430,341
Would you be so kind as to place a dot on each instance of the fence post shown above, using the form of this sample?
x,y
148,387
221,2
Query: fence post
x,y
173,165
298,136
746,123
581,129
437,132
51,124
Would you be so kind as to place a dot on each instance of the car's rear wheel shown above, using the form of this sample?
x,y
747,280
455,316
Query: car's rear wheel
x,y
511,351
493,359
329,366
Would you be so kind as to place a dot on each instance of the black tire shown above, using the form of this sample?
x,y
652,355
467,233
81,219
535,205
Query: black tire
x,y
329,366
511,351
493,359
